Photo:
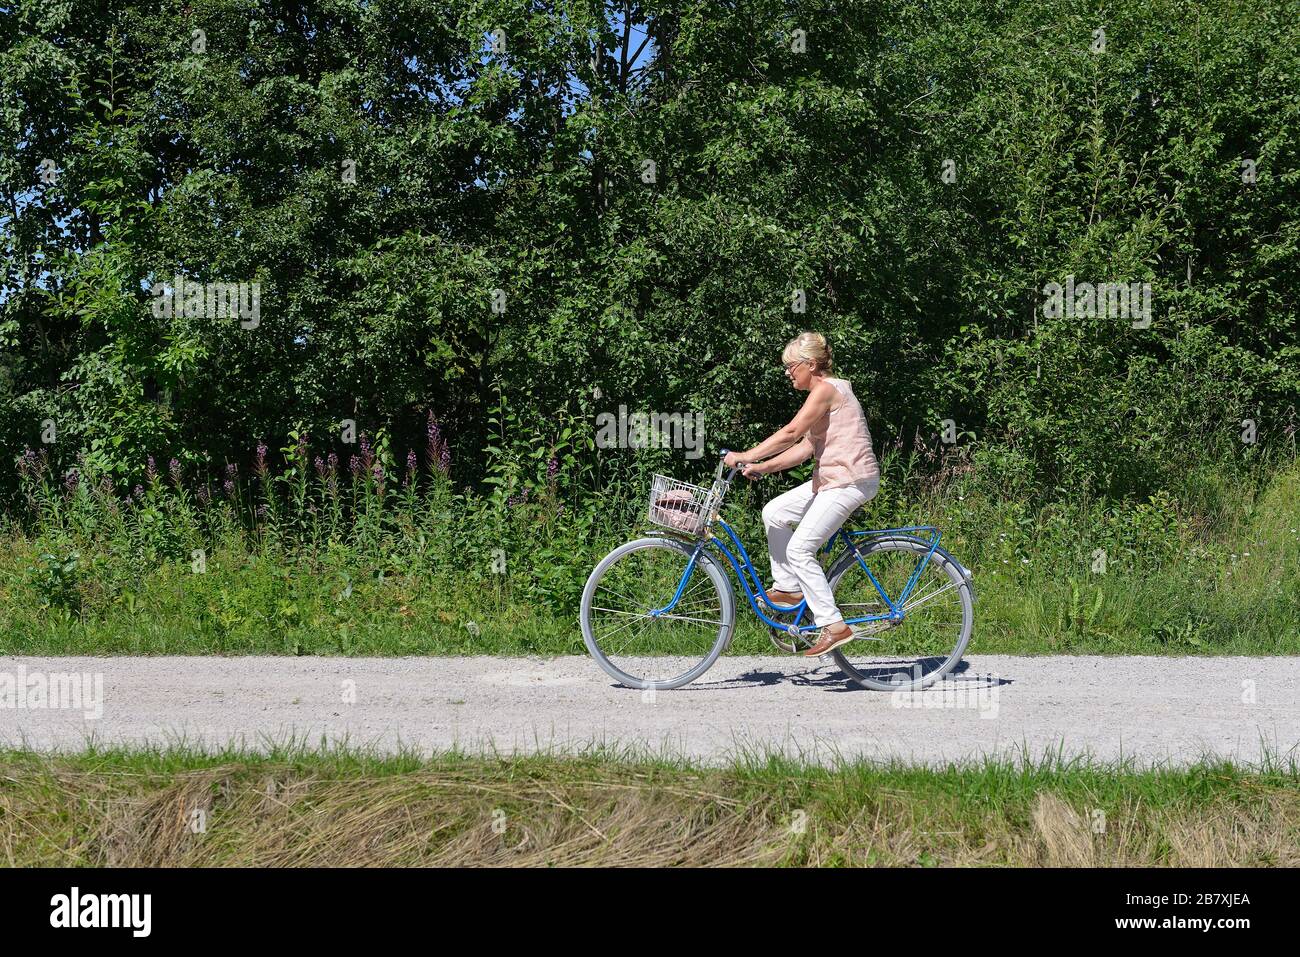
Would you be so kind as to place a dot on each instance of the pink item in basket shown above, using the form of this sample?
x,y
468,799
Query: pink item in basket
x,y
677,509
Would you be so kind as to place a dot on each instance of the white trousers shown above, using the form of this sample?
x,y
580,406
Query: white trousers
x,y
794,550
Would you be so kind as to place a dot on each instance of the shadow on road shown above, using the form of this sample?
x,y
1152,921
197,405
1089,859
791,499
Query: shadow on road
x,y
826,677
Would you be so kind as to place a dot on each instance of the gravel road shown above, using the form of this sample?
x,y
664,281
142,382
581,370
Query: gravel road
x,y
1150,710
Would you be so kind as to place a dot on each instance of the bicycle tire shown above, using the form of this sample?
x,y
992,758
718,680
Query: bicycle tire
x,y
886,676
713,573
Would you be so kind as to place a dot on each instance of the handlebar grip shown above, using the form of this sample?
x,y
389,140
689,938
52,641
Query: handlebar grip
x,y
718,473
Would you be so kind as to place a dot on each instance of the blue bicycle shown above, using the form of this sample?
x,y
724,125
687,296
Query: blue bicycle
x,y
658,611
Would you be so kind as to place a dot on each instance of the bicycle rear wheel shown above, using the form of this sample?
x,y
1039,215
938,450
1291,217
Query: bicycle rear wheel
x,y
630,635
937,617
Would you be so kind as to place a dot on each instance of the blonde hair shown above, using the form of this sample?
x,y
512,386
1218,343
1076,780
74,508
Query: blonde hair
x,y
811,346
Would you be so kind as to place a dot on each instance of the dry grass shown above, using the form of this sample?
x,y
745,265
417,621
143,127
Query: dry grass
x,y
124,810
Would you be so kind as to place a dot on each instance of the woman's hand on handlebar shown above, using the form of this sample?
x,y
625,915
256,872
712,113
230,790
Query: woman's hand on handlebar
x,y
736,460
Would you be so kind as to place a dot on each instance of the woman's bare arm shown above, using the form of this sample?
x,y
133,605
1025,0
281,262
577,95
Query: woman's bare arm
x,y
801,451
818,404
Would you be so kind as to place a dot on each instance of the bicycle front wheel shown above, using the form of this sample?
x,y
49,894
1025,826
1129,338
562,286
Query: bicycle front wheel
x,y
628,627
937,616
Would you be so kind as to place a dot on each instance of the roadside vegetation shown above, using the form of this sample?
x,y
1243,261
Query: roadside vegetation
x,y
338,808
322,560
455,260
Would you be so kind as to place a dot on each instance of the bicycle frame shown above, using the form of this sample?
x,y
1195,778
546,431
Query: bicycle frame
x,y
745,572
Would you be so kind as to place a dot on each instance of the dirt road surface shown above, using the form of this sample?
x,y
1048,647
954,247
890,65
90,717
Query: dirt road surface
x,y
1150,710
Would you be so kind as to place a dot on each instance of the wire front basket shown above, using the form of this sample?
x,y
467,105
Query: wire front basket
x,y
682,506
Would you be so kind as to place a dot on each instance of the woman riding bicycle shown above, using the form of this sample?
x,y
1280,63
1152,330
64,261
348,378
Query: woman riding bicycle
x,y
831,428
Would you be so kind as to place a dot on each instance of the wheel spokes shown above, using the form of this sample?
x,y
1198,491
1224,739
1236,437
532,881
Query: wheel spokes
x,y
663,646
933,615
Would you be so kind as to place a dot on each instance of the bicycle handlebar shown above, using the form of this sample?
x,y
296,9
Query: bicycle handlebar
x,y
718,474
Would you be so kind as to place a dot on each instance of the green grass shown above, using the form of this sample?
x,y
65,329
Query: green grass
x,y
341,807
1214,571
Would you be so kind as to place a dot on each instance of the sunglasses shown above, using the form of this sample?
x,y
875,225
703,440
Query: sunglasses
x,y
791,365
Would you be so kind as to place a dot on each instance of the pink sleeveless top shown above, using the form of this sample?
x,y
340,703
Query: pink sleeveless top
x,y
842,444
